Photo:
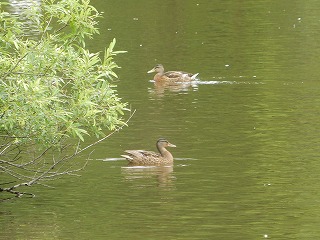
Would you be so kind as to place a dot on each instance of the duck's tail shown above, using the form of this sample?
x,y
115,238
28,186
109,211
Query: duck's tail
x,y
194,76
127,157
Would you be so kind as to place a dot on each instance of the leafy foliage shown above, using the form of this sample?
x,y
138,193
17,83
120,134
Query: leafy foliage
x,y
51,86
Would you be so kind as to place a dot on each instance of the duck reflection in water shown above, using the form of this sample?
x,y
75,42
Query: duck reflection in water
x,y
142,176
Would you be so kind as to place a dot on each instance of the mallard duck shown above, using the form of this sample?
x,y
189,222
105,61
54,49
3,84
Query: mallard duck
x,y
174,76
142,157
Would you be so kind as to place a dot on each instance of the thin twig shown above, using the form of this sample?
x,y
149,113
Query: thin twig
x,y
46,28
110,134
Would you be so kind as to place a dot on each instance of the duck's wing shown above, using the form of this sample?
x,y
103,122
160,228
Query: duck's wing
x,y
139,154
174,74
180,74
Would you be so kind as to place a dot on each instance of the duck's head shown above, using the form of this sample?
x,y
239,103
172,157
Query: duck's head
x,y
164,143
158,68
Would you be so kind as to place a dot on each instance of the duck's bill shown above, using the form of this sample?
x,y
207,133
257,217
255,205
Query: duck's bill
x,y
171,145
151,71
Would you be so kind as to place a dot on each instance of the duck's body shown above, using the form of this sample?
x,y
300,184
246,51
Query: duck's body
x,y
172,76
142,157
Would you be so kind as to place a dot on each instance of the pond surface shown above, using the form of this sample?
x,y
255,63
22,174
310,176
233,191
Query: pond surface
x,y
247,134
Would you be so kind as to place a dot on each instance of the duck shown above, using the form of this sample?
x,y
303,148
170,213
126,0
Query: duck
x,y
173,76
142,157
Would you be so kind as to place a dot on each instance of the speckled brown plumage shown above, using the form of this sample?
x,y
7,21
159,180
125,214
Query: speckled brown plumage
x,y
142,157
173,76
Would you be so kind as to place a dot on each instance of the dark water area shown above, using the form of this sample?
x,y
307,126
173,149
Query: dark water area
x,y
247,159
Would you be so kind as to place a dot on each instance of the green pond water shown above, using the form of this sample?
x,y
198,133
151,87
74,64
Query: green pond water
x,y
247,134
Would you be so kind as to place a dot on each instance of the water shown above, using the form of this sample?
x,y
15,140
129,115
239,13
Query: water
x,y
246,163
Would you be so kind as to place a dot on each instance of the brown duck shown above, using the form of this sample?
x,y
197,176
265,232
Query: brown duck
x,y
172,76
142,157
